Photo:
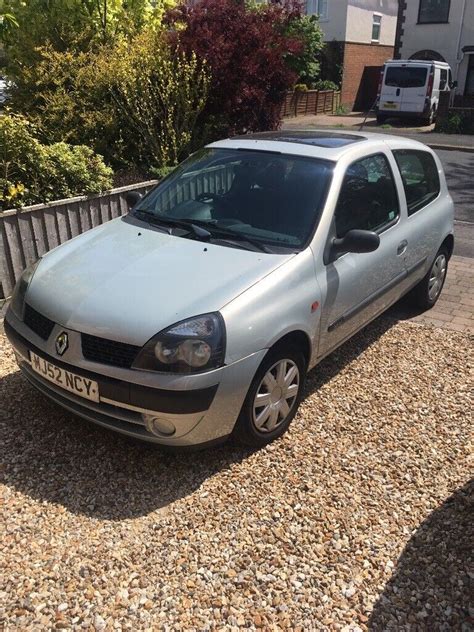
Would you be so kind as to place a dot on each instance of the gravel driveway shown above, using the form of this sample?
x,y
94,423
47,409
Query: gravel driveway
x,y
361,517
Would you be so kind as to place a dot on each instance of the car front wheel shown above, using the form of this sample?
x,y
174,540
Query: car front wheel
x,y
273,397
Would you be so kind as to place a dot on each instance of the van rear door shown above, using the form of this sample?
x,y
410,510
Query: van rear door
x,y
390,95
407,85
415,89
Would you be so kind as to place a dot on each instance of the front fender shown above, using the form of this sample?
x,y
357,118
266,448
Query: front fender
x,y
282,302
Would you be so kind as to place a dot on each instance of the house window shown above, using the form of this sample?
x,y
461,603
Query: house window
x,y
317,7
433,11
376,25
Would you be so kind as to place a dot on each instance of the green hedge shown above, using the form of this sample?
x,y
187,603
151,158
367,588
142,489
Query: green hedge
x,y
32,172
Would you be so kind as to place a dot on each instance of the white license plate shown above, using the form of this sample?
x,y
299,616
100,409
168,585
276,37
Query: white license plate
x,y
390,106
71,382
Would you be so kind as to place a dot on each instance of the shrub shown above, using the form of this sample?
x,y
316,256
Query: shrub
x,y
461,122
325,84
305,62
159,91
32,172
67,98
247,51
301,87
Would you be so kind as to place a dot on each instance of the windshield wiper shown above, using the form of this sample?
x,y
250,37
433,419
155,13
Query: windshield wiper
x,y
217,230
196,228
197,231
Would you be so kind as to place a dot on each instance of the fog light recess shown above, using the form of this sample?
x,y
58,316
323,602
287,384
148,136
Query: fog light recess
x,y
159,426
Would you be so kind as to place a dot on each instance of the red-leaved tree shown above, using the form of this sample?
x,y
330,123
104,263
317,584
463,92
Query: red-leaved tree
x,y
245,48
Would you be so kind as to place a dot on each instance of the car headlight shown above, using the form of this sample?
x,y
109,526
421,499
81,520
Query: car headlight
x,y
17,302
190,346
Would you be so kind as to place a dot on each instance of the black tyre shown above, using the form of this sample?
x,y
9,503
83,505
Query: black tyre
x,y
273,397
381,118
425,294
429,119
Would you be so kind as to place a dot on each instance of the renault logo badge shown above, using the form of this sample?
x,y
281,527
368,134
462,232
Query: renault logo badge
x,y
62,343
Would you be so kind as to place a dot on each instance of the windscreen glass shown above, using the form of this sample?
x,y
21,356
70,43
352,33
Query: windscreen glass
x,y
269,197
406,77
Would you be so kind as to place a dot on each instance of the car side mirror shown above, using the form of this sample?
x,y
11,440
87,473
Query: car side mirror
x,y
132,198
356,240
453,84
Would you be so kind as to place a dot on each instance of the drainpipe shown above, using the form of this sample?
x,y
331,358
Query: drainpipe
x,y
459,56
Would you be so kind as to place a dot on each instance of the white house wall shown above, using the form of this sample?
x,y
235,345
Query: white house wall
x,y
359,20
442,38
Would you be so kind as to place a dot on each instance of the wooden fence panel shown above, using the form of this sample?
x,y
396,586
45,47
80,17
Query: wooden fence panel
x,y
39,231
29,233
15,251
74,221
63,225
311,102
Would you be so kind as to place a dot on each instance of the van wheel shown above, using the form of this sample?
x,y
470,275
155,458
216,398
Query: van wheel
x,y
273,397
425,294
429,119
381,118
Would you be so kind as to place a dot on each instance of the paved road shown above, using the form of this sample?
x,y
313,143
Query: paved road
x,y
459,168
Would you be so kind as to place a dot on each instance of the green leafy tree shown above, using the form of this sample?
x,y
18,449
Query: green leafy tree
x,y
72,25
305,62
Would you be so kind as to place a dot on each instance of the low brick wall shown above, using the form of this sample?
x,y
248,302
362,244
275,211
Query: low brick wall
x,y
463,106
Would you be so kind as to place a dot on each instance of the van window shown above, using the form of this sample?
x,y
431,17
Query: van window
x,y
368,199
443,80
420,177
406,76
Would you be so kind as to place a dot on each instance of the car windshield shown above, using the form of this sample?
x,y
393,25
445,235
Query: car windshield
x,y
269,198
406,77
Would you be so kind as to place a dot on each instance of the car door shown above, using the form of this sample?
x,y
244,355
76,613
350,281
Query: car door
x,y
359,286
428,208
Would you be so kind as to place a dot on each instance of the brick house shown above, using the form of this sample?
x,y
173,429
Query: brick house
x,y
442,30
360,36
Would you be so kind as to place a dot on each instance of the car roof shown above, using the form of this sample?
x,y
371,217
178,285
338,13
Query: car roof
x,y
325,144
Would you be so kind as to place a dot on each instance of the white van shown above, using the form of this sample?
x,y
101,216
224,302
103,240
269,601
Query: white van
x,y
411,88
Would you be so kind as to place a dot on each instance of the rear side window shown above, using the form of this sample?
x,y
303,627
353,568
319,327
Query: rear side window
x,y
405,76
368,199
420,177
443,80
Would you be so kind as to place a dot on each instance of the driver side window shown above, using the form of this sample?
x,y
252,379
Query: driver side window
x,y
368,198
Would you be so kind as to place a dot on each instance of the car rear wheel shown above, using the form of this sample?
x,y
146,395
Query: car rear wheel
x,y
427,292
273,397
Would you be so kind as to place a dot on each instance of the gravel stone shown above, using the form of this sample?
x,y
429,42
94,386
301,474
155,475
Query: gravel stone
x,y
360,517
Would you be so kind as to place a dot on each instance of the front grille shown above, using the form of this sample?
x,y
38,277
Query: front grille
x,y
108,351
38,323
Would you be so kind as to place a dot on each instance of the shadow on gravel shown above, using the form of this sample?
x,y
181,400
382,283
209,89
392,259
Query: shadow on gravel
x,y
433,580
53,456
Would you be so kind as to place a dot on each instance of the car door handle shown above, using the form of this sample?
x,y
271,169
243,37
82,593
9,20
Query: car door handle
x,y
402,246
398,92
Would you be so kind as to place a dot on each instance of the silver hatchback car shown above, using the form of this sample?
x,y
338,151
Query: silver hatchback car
x,y
199,313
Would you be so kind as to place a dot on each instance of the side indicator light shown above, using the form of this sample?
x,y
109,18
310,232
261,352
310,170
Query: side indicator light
x,y
314,306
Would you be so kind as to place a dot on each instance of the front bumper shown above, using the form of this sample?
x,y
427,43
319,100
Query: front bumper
x,y
203,408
